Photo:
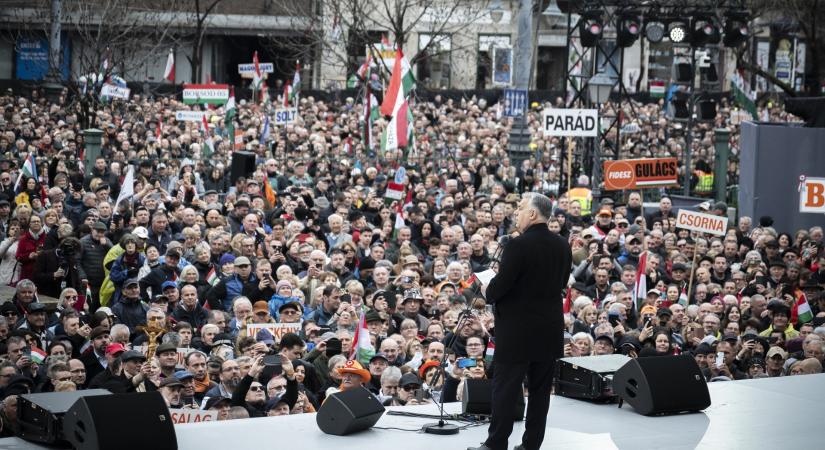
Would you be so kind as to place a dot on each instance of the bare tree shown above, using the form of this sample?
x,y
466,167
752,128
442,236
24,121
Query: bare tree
x,y
200,10
329,32
109,37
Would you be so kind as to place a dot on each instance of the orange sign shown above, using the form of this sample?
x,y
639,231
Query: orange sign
x,y
640,173
812,195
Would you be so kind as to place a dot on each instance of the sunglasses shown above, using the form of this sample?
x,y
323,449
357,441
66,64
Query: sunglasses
x,y
256,388
410,388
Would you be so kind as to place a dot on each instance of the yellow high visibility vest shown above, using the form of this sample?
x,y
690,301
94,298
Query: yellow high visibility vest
x,y
584,196
705,184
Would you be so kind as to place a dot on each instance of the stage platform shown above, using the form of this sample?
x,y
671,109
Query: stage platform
x,y
767,413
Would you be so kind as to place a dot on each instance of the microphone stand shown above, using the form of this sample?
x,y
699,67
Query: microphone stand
x,y
441,427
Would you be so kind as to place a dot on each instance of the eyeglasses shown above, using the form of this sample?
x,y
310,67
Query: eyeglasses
x,y
256,388
289,312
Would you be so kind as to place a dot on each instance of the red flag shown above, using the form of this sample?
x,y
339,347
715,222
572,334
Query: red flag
x,y
395,89
568,301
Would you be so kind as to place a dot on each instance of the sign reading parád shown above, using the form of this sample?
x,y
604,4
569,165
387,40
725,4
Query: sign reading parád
x,y
205,94
701,222
640,173
285,116
571,122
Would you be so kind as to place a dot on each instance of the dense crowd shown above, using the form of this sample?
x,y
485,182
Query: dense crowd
x,y
245,295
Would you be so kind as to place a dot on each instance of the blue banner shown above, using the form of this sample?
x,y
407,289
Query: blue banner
x,y
32,58
515,102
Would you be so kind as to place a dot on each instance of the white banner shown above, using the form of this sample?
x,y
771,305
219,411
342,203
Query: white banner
x,y
704,223
192,415
277,330
249,68
571,122
812,196
191,116
112,91
285,116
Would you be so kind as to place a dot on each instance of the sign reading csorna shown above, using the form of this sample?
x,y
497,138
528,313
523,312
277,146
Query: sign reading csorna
x,y
704,223
571,122
640,173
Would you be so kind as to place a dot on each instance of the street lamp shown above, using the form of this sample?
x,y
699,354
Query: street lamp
x,y
496,11
599,88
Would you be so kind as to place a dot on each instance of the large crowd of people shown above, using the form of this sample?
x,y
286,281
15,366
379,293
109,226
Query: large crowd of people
x,y
243,294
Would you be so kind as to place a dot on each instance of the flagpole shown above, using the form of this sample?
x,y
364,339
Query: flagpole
x,y
692,270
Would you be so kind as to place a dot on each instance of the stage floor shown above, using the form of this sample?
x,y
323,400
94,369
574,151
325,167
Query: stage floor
x,y
743,414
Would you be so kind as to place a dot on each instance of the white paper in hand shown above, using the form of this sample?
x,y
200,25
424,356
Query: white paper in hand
x,y
484,278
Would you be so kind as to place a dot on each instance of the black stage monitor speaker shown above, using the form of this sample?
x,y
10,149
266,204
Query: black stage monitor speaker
x,y
349,411
243,165
41,415
662,385
477,399
588,377
122,421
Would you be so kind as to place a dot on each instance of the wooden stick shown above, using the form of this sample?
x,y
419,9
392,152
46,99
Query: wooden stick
x,y
692,272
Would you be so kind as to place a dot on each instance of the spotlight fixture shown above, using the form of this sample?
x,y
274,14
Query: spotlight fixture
x,y
655,31
703,31
679,105
678,32
736,29
629,29
591,26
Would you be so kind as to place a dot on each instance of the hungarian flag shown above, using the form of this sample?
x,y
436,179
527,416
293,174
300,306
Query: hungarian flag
x,y
257,78
169,72
568,301
287,94
371,112
159,130
209,146
640,286
801,311
401,83
212,277
362,349
348,146
683,297
229,116
296,84
264,94
29,170
37,355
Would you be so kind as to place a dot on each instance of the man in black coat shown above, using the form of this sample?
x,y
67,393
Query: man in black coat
x,y
529,326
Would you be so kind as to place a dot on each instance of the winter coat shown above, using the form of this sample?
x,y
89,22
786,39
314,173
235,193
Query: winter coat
x,y
92,260
27,245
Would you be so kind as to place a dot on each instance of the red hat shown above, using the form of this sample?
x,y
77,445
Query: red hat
x,y
427,364
355,367
115,349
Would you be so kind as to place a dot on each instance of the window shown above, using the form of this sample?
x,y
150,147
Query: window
x,y
433,67
357,47
484,68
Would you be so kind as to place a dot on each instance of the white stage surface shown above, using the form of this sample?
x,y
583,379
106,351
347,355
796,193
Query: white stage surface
x,y
739,417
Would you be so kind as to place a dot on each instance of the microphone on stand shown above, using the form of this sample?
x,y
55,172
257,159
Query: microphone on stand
x,y
502,242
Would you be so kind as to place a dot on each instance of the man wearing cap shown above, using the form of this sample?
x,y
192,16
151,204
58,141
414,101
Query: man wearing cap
x,y
410,307
377,364
221,296
94,359
36,322
95,247
604,223
171,389
526,297
129,309
632,250
167,354
168,271
187,379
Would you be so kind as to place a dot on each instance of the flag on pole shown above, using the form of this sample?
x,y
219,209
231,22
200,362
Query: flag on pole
x,y
401,83
257,79
127,189
264,97
29,170
640,286
38,356
207,138
229,116
348,146
296,84
265,130
801,311
371,112
88,299
362,349
568,301
287,94
159,130
169,72
683,298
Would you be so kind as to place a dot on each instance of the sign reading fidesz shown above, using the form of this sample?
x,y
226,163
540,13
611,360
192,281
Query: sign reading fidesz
x,y
571,122
704,223
211,94
640,173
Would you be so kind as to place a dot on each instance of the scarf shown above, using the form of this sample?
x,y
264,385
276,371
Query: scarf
x,y
202,386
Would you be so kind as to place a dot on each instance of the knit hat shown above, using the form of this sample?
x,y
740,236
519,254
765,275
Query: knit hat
x,y
227,258
282,283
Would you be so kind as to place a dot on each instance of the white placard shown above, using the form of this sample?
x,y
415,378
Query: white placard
x,y
191,116
249,68
285,116
571,122
812,196
182,415
704,223
112,91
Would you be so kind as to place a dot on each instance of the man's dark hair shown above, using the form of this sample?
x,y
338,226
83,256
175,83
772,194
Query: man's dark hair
x,y
328,290
290,340
337,250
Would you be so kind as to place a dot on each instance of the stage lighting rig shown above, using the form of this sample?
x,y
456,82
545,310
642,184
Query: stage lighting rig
x,y
678,31
654,30
591,27
629,28
736,28
703,31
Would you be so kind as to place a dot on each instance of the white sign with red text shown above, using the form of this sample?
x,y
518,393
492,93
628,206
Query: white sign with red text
x,y
192,416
